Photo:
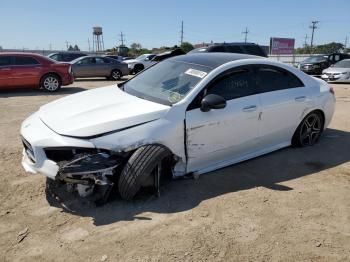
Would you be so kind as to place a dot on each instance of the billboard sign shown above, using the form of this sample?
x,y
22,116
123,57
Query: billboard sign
x,y
281,46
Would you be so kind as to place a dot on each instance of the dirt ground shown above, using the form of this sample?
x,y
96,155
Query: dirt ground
x,y
291,205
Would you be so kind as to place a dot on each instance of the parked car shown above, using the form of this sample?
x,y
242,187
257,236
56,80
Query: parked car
x,y
339,72
99,66
139,63
116,57
167,54
33,70
66,56
238,48
314,65
189,114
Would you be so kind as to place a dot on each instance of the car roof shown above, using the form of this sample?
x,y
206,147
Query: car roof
x,y
212,60
21,53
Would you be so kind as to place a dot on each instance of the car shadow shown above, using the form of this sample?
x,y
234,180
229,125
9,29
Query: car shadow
x,y
267,171
6,93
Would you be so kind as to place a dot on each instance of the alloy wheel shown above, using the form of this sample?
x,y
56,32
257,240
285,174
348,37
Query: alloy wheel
x,y
310,130
116,75
51,83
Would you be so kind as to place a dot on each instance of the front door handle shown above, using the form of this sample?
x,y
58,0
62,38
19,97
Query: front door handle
x,y
300,98
249,108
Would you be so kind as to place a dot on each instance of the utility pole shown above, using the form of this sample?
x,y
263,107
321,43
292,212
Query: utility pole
x,y
89,44
246,34
313,27
50,47
346,42
182,33
67,44
305,41
122,39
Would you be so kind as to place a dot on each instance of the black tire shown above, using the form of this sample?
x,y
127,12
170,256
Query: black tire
x,y
138,169
115,75
138,68
309,130
50,83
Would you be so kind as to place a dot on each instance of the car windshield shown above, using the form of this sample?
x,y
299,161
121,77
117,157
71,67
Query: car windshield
x,y
342,64
318,58
141,57
167,82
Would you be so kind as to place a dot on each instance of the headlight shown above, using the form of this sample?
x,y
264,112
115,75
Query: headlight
x,y
344,73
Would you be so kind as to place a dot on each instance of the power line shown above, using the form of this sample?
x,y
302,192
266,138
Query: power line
x,y
246,34
313,27
182,32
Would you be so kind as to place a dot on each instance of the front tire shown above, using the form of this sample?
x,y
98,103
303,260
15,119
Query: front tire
x,y
309,130
140,166
51,83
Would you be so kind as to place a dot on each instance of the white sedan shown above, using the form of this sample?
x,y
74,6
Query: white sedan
x,y
339,72
189,114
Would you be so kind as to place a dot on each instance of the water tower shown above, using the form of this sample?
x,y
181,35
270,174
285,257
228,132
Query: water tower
x,y
97,39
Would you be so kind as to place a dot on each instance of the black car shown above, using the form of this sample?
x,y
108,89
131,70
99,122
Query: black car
x,y
167,54
239,48
66,56
314,65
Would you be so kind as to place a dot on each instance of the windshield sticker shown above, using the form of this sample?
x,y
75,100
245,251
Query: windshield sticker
x,y
196,73
174,97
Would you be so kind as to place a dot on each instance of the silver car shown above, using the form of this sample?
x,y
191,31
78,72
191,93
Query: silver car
x,y
339,72
99,66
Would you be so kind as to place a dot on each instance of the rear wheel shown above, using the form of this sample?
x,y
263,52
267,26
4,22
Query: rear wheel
x,y
144,165
51,83
309,130
116,75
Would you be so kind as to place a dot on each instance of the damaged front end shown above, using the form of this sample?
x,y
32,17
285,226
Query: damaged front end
x,y
91,173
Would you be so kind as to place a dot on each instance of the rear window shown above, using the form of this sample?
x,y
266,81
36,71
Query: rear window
x,y
234,49
5,60
25,60
254,50
216,49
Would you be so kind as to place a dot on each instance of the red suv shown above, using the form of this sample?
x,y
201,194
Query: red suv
x,y
33,70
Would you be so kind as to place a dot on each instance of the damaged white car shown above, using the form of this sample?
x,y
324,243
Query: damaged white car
x,y
190,114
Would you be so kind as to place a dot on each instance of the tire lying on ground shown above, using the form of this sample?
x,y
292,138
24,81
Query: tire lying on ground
x,y
309,130
139,168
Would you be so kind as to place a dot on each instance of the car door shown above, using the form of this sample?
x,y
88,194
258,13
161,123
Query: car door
x,y
224,134
284,98
84,67
103,66
26,71
5,72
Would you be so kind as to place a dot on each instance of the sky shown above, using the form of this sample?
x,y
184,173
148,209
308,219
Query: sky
x,y
40,24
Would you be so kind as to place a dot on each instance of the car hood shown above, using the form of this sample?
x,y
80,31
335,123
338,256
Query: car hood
x,y
99,111
336,70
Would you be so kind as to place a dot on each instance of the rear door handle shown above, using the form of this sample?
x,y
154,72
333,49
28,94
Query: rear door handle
x,y
249,108
300,98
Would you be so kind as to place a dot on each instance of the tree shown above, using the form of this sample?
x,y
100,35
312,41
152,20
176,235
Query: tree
x,y
332,47
70,48
186,47
76,48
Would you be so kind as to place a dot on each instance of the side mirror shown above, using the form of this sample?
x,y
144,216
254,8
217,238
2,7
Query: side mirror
x,y
212,101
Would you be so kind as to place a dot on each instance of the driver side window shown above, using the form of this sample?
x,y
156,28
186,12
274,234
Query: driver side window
x,y
236,84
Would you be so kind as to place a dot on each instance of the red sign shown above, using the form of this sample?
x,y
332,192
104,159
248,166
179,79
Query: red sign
x,y
281,46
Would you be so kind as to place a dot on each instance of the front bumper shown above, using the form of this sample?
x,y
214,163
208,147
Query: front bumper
x,y
336,77
38,136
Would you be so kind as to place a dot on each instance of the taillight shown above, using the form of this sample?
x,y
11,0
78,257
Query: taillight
x,y
70,69
331,89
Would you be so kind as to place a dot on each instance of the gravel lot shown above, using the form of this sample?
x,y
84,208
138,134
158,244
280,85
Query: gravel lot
x,y
291,205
